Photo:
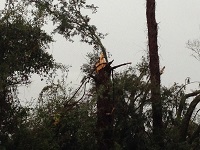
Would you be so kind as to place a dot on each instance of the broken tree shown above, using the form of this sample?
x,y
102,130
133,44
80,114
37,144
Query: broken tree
x,y
154,74
105,103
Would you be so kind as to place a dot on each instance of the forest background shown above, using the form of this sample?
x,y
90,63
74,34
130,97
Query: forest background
x,y
126,41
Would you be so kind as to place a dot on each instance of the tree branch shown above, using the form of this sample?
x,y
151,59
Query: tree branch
x,y
120,65
183,99
186,119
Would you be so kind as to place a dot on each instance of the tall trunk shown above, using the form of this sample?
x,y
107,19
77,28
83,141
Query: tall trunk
x,y
104,109
154,74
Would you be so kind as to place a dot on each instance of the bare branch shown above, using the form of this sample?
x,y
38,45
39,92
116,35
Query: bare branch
x,y
186,119
183,99
120,65
195,47
83,83
195,114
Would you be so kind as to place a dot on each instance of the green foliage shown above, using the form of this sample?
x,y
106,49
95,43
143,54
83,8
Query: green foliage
x,y
22,49
69,19
58,122
22,53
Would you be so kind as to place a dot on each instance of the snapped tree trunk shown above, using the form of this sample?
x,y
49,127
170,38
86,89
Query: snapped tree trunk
x,y
104,109
154,74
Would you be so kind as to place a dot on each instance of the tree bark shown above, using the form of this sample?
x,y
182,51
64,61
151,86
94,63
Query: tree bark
x,y
104,109
154,74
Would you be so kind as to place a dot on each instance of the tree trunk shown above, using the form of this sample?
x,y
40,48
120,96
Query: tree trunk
x,y
104,109
154,74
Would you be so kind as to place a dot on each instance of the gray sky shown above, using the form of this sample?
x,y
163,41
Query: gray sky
x,y
125,22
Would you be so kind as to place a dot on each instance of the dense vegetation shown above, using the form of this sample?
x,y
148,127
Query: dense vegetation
x,y
64,118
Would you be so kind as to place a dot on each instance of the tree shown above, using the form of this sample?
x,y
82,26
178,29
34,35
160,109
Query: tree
x,y
58,120
69,20
132,93
105,108
194,45
22,52
61,120
67,15
154,73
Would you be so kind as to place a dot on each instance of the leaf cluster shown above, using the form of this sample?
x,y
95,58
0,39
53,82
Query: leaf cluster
x,y
23,49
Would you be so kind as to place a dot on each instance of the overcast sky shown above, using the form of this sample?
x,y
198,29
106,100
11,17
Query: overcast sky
x,y
125,23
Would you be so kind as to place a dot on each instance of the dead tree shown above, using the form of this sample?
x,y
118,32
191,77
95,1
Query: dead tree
x,y
154,73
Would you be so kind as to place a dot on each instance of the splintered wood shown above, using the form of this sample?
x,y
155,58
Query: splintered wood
x,y
101,63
